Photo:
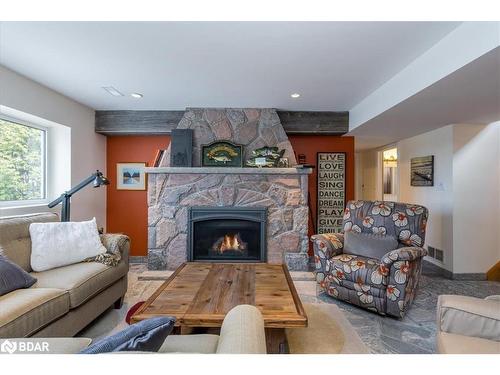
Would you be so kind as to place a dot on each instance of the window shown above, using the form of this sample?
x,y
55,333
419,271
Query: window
x,y
22,162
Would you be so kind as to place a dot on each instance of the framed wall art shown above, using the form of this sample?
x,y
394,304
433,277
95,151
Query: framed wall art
x,y
331,179
130,176
422,171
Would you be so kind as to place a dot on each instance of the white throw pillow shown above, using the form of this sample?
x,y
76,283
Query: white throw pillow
x,y
59,244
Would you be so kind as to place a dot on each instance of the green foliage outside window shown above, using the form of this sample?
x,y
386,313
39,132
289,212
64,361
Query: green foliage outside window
x,y
21,162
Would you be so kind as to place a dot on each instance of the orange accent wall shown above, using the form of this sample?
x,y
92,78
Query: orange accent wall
x,y
310,145
126,210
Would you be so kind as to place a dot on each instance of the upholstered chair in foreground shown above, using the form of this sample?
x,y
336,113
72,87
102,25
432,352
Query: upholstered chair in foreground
x,y
376,261
468,325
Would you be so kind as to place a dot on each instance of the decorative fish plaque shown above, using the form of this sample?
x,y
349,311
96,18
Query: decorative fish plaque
x,y
221,154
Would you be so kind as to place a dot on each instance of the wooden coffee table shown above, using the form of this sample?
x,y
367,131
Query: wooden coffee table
x,y
200,295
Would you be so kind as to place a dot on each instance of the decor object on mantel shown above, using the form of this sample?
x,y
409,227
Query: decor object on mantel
x,y
268,157
160,154
130,176
422,171
221,154
96,178
181,151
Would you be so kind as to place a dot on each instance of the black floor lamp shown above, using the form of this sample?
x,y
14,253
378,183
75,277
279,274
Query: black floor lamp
x,y
97,178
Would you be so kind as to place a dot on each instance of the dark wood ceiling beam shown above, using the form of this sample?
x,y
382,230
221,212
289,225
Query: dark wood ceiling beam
x,y
162,122
307,122
136,122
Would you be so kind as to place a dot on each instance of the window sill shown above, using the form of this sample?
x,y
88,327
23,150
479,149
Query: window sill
x,y
6,211
24,204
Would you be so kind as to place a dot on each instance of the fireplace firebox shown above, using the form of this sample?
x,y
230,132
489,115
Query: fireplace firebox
x,y
227,234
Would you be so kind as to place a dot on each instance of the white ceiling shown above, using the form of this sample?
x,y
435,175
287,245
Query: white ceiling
x,y
333,65
470,95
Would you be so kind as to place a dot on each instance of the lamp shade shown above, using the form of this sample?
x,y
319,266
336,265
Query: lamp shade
x,y
100,180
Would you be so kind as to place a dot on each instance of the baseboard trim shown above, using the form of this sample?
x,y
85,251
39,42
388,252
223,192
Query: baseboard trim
x,y
432,268
469,276
137,259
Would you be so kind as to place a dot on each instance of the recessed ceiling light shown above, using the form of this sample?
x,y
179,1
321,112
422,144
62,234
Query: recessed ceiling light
x,y
136,95
111,90
295,95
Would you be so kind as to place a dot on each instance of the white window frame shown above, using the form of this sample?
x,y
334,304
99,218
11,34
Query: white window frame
x,y
45,146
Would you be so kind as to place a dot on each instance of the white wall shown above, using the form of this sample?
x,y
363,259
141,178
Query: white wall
x,y
476,160
438,198
88,149
464,203
369,179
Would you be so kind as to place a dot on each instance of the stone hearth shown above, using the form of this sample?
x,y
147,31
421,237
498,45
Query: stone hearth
x,y
283,191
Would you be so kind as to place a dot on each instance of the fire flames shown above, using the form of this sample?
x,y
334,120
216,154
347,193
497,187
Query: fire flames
x,y
230,242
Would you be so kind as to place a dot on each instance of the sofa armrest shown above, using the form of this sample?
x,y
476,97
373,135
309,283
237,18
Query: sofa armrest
x,y
242,332
403,254
117,243
469,316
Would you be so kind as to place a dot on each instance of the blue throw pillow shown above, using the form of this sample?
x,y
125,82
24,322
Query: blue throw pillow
x,y
13,277
145,336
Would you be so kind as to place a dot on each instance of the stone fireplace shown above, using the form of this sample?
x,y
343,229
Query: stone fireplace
x,y
175,195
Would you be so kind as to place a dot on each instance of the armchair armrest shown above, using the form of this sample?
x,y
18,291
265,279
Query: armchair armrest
x,y
403,254
469,316
116,244
327,245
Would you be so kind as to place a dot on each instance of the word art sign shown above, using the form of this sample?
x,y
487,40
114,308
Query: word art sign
x,y
331,191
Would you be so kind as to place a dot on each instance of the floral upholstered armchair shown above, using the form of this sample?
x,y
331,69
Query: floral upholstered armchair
x,y
386,285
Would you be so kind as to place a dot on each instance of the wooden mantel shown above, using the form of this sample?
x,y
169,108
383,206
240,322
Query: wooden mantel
x,y
229,170
162,122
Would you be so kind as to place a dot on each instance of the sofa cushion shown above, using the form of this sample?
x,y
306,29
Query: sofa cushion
x,y
369,245
147,335
449,343
25,311
13,277
81,280
199,344
357,269
15,236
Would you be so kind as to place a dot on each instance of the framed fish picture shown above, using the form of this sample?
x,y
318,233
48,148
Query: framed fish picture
x,y
422,171
130,176
222,154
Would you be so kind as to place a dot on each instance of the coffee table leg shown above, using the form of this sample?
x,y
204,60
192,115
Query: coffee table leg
x,y
186,330
276,341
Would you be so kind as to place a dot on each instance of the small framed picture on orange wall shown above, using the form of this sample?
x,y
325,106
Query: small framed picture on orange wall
x,y
130,176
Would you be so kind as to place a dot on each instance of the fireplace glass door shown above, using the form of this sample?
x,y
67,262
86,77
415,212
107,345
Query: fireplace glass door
x,y
224,234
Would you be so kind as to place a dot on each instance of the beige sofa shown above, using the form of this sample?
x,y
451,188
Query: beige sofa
x,y
64,300
242,332
468,325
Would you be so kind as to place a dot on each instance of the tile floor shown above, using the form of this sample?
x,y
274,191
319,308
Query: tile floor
x,y
415,333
